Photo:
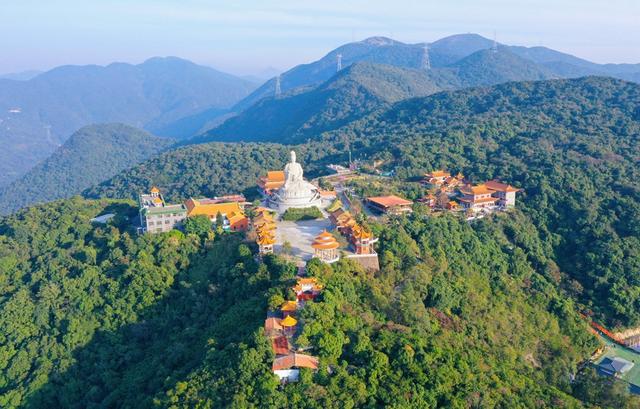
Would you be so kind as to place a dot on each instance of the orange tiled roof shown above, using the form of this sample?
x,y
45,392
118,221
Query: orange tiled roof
x,y
325,241
273,180
289,321
500,187
307,280
196,207
295,360
360,232
272,324
154,189
236,217
389,201
289,306
280,345
265,240
438,174
475,190
275,176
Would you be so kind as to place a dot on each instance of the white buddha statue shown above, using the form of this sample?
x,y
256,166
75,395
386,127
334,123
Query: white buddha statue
x,y
293,171
296,192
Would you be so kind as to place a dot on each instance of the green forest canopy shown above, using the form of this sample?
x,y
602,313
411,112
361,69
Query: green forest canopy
x,y
571,144
459,316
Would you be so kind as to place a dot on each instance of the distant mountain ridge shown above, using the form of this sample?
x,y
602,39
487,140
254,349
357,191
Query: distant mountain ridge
x,y
442,53
306,112
37,115
91,155
361,88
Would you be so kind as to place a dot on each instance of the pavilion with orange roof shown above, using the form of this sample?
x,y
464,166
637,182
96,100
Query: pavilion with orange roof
x,y
326,247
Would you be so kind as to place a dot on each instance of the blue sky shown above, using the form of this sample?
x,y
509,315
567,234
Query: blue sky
x,y
246,37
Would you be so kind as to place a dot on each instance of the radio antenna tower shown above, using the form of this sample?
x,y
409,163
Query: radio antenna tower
x,y
426,62
494,47
339,57
278,90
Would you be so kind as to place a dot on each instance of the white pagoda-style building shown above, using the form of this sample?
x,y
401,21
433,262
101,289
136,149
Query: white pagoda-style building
x,y
296,192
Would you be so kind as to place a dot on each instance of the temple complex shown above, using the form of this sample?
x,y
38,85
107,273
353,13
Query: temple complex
x,y
295,192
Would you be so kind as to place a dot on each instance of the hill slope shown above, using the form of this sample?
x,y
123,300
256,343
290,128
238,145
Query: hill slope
x,y
360,89
352,93
458,316
486,67
572,144
39,114
91,155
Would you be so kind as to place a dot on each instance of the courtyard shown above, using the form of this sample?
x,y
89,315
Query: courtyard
x,y
300,235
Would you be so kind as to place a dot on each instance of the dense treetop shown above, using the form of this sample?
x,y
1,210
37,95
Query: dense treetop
x,y
571,144
459,316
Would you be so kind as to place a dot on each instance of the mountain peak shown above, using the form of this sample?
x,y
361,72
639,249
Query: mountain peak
x,y
379,41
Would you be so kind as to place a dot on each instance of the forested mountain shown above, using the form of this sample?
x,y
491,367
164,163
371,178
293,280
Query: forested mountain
x,y
360,89
442,53
91,155
460,315
302,113
489,67
571,144
37,115
97,316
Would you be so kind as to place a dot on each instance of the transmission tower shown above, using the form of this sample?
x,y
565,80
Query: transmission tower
x,y
47,129
278,90
339,57
494,47
426,62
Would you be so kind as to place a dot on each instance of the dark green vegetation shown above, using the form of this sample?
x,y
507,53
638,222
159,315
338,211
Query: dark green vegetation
x,y
152,95
199,170
460,315
89,156
303,113
571,144
111,319
309,213
97,315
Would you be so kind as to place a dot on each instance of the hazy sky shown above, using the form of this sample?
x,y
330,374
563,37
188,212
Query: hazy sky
x,y
247,36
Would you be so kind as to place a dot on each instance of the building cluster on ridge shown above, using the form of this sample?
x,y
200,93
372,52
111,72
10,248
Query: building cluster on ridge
x,y
156,216
282,327
449,192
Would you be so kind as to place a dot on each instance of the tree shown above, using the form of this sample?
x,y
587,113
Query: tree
x,y
199,225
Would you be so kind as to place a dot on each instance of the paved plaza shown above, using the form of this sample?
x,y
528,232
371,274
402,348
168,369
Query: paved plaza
x,y
300,235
